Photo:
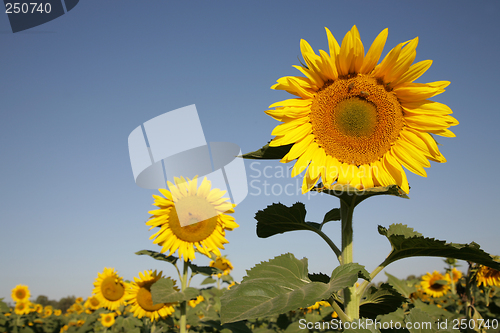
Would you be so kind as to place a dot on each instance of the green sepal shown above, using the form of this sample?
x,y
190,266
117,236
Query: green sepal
x,y
162,291
281,285
278,218
408,243
379,301
269,153
352,196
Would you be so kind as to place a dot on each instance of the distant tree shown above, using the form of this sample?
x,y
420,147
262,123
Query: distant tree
x,y
65,303
43,300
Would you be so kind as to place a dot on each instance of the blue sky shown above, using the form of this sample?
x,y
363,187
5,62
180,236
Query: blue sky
x,y
74,88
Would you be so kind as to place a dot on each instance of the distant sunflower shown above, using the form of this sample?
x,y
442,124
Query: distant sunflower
x,y
20,293
92,303
457,275
141,299
487,276
110,289
223,264
435,284
22,307
107,319
203,213
194,302
355,122
47,311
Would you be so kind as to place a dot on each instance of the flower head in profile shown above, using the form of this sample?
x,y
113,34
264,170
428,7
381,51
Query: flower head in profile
x,y
110,289
141,300
20,293
487,276
435,284
357,122
191,217
223,264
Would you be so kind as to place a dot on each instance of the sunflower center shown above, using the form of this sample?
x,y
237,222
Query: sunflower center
x,y
21,294
356,119
111,289
145,300
198,216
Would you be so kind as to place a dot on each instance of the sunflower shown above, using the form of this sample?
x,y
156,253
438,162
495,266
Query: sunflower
x,y
141,299
20,293
47,311
223,264
194,302
487,276
22,307
191,217
92,303
355,122
107,319
456,274
435,284
109,289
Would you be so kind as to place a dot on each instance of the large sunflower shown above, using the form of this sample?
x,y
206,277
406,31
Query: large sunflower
x,y
20,293
110,289
356,122
201,210
435,284
141,300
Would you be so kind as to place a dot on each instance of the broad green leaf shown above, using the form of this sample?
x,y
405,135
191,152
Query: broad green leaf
x,y
281,285
238,327
203,270
158,256
400,285
278,218
269,153
349,269
319,277
352,196
163,291
432,310
408,243
3,306
379,301
361,326
420,322
333,215
208,280
397,316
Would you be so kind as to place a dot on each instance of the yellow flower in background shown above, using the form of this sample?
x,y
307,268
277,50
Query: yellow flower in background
x,y
92,303
435,284
20,293
22,307
38,308
78,300
487,276
223,264
204,206
110,289
141,299
107,319
355,122
194,302
47,311
57,312
456,274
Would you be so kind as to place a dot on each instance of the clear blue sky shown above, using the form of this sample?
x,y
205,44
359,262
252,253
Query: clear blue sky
x,y
73,89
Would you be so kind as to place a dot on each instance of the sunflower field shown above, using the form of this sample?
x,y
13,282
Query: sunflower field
x,y
352,125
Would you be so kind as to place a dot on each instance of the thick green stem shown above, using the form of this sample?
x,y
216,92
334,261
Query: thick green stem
x,y
184,303
351,299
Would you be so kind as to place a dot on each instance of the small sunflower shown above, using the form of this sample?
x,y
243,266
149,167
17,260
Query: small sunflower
x,y
47,311
223,264
487,276
57,312
194,302
456,274
38,308
141,299
107,319
20,293
22,307
92,303
435,284
202,211
355,122
110,289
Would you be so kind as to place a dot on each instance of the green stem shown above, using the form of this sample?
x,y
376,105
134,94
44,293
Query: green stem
x,y
184,303
332,245
339,311
351,299
365,283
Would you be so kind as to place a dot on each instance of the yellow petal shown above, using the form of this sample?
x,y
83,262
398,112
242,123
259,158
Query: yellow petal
x,y
283,129
404,61
373,54
293,136
304,159
298,149
394,168
407,160
414,72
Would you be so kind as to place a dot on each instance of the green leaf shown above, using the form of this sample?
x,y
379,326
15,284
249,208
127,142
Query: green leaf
x,y
158,256
319,277
400,285
333,215
351,195
269,153
3,306
379,301
281,285
163,291
349,269
208,280
408,243
432,310
203,270
362,326
278,218
420,322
